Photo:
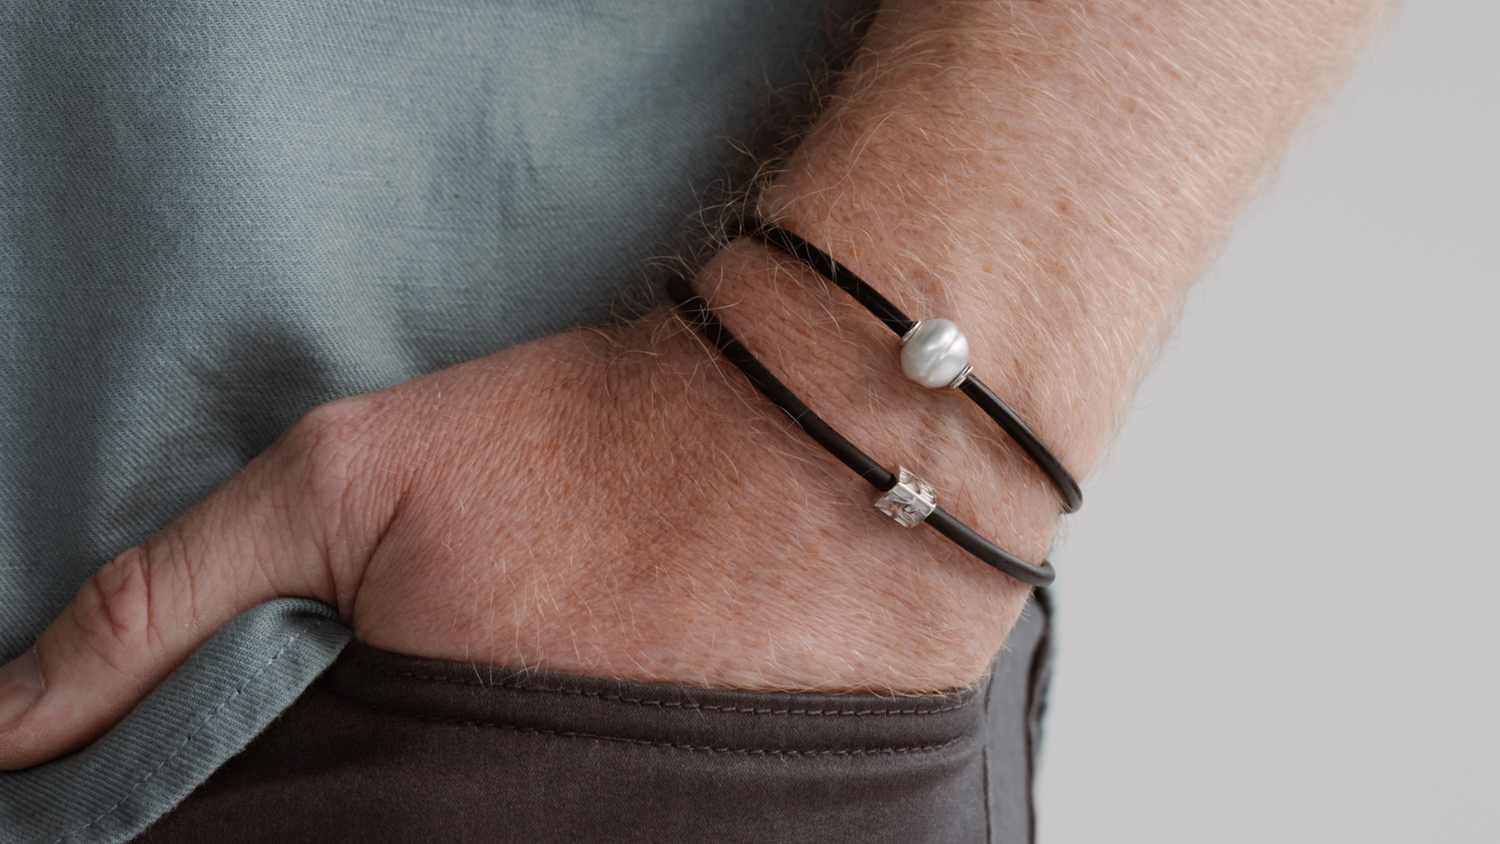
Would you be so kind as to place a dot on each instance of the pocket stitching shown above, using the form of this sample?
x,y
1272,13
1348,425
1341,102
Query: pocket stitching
x,y
663,704
666,745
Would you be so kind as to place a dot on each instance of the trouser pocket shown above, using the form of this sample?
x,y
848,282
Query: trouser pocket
x,y
386,747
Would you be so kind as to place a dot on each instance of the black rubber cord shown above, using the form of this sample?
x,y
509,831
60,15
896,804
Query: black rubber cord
x,y
846,280
703,319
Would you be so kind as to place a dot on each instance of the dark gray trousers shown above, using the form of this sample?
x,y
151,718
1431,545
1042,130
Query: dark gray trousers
x,y
393,748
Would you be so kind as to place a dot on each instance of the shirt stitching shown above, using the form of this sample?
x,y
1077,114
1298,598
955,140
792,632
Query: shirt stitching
x,y
203,725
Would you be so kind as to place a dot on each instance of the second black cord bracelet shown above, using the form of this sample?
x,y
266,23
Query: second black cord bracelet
x,y
907,499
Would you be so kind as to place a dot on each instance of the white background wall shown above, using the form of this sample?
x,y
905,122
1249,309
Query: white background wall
x,y
1279,605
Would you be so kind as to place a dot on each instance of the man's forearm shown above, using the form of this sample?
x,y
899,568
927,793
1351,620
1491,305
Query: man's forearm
x,y
1053,174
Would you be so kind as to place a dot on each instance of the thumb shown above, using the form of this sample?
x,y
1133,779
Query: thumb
x,y
294,522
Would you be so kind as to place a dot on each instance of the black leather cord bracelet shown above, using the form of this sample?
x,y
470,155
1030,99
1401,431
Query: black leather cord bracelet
x,y
907,499
909,331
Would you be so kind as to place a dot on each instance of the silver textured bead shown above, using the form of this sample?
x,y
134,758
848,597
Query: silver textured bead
x,y
908,502
934,353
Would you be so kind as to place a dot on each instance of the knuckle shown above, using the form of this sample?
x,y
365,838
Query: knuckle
x,y
330,446
114,608
331,429
341,477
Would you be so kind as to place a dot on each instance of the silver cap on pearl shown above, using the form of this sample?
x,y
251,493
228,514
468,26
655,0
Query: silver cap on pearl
x,y
960,378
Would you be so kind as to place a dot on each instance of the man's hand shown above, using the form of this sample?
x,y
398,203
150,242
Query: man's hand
x,y
618,503
601,503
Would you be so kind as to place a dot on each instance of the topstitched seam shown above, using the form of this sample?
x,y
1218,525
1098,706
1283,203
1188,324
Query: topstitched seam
x,y
186,739
697,748
664,704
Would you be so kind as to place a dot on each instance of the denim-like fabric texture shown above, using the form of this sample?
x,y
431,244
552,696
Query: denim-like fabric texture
x,y
215,216
205,712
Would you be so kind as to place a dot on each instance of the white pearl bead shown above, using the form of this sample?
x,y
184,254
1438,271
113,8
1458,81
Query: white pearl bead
x,y
935,353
